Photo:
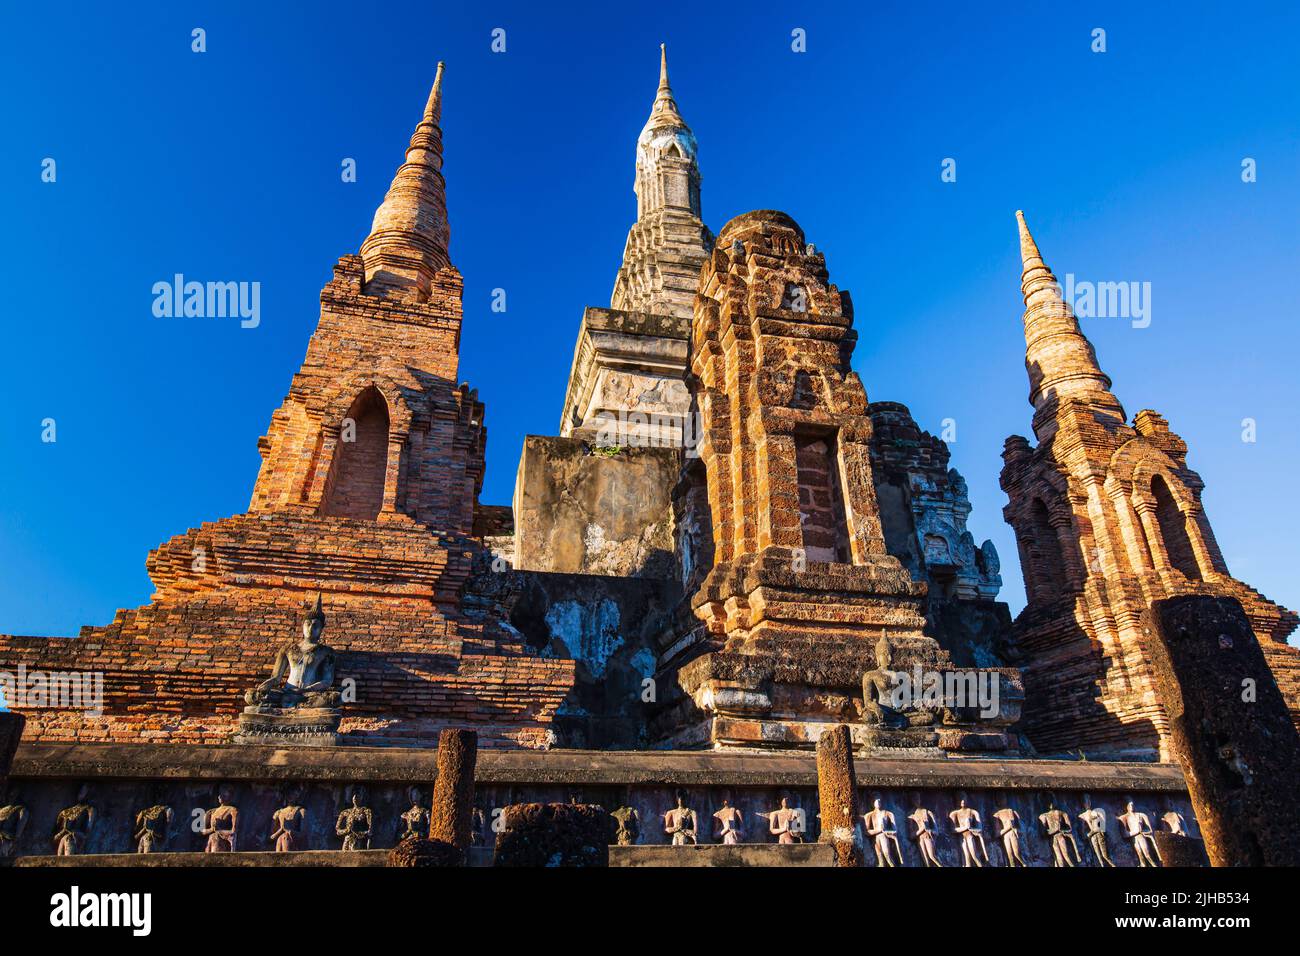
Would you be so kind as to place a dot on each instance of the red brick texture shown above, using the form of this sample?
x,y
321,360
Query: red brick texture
x,y
1108,519
368,494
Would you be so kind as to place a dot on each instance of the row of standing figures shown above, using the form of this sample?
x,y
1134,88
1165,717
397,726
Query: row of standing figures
x,y
880,827
220,826
354,826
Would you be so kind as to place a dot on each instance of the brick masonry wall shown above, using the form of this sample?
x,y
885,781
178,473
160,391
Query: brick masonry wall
x,y
387,543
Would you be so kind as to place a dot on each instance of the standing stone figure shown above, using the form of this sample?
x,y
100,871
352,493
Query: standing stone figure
x,y
1175,822
786,823
153,828
73,825
478,831
680,823
356,822
13,821
1056,824
415,821
629,826
1009,833
970,828
290,825
926,825
1094,822
221,824
730,823
880,827
1137,827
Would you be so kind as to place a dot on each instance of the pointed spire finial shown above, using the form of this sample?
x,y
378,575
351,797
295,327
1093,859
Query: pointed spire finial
x,y
433,109
1058,356
408,239
1028,248
665,107
1035,276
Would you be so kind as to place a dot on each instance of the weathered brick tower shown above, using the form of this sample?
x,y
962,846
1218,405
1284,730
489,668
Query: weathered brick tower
x,y
1108,519
367,494
800,586
626,386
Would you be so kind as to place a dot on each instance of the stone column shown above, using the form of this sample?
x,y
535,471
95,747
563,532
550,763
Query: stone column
x,y
451,817
11,731
1155,540
837,794
1230,729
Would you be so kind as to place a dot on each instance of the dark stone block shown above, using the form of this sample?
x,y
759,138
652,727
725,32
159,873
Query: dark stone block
x,y
555,834
1230,729
1176,850
415,852
11,731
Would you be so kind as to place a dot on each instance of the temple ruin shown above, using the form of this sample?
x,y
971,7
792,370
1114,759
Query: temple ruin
x,y
727,553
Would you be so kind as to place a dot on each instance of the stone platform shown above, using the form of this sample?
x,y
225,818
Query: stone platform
x,y
739,854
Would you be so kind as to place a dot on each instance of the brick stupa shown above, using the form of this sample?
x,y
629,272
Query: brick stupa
x,y
367,494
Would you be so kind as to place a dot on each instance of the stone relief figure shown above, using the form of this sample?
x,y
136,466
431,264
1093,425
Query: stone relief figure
x,y
13,822
1137,827
298,702
415,821
629,826
680,823
968,826
73,825
880,827
478,828
1056,824
730,823
221,824
787,823
1009,833
1094,823
1175,822
289,824
926,826
152,828
356,821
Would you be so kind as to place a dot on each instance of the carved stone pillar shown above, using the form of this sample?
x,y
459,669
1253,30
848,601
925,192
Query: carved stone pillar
x,y
450,818
837,795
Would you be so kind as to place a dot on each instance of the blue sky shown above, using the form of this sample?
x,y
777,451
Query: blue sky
x,y
225,166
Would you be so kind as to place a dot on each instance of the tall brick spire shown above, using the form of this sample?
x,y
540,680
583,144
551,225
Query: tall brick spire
x,y
409,237
669,241
1058,356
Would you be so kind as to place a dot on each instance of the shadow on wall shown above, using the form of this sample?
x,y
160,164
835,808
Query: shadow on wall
x,y
608,627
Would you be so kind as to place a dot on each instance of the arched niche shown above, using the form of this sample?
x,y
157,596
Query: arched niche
x,y
1173,530
355,488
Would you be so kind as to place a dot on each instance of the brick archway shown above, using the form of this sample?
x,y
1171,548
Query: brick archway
x,y
355,487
